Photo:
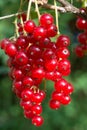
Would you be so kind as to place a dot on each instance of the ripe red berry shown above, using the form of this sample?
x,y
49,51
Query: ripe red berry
x,y
36,109
79,51
60,84
64,66
63,41
51,64
46,20
37,120
82,38
54,104
81,23
28,114
62,52
66,100
29,26
11,50
21,58
38,73
27,94
37,98
57,96
21,42
52,30
26,105
28,81
17,74
4,43
39,33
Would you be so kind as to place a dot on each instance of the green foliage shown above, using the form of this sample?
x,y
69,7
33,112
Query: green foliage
x,y
71,117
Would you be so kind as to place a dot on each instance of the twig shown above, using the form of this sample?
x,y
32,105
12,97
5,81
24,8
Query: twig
x,y
66,7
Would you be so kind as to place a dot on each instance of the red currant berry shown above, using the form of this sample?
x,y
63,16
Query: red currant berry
x,y
28,114
21,58
36,109
57,96
54,104
52,30
79,51
60,84
81,23
38,73
62,52
51,64
46,20
37,120
63,41
11,50
27,94
66,100
29,26
26,105
28,81
39,33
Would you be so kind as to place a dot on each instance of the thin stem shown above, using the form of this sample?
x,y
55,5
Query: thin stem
x,y
29,9
56,13
37,9
16,27
21,3
22,23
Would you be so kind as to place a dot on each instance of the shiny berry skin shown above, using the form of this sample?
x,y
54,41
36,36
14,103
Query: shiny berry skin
x,y
34,51
68,89
28,81
43,43
51,64
54,104
17,74
60,84
57,96
81,23
57,75
52,30
37,98
43,94
46,20
38,73
27,94
11,50
79,51
26,105
21,58
17,86
82,38
36,109
4,43
29,26
66,100
21,42
63,41
37,120
49,75
39,33
63,66
48,54
62,52
28,114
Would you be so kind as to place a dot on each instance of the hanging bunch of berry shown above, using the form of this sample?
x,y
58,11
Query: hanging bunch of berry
x,y
81,24
34,57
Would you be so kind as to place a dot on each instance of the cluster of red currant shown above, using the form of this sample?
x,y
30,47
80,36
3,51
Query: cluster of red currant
x,y
81,49
33,57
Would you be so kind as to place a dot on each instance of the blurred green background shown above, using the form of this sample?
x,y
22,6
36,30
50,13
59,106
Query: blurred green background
x,y
71,117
